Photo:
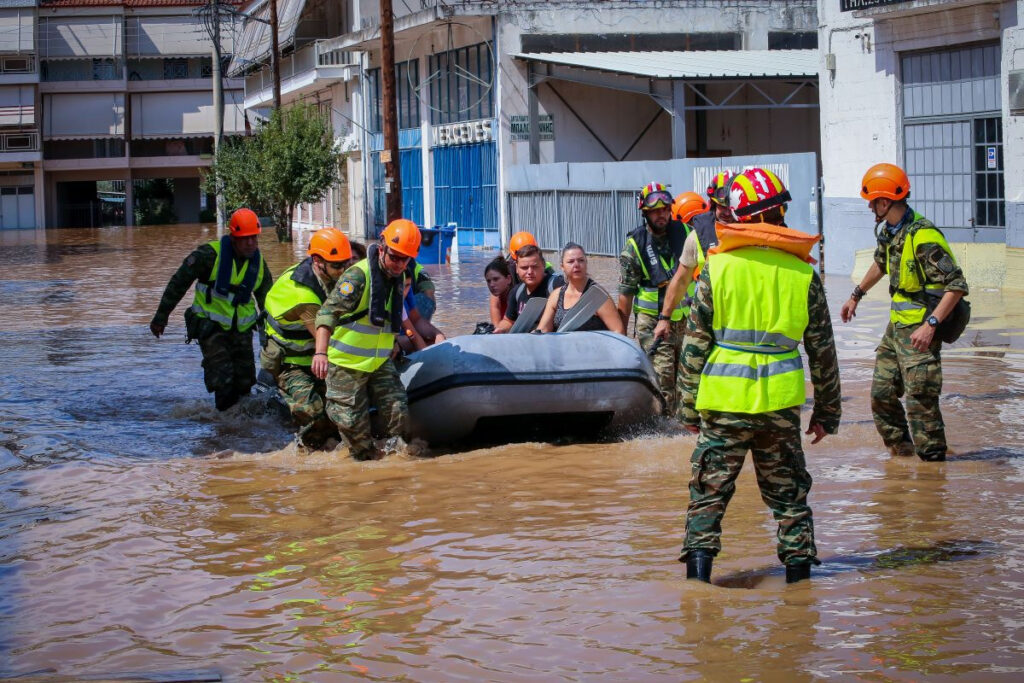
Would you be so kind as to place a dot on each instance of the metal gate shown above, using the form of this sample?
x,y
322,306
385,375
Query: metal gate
x,y
466,190
953,136
411,168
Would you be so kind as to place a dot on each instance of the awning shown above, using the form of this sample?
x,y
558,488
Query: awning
x,y
702,65
173,36
184,114
17,29
80,37
83,116
17,105
253,45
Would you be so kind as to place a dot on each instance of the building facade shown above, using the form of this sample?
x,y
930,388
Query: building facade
x,y
936,86
112,101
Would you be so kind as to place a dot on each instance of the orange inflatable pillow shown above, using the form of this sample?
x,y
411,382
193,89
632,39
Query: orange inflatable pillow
x,y
735,235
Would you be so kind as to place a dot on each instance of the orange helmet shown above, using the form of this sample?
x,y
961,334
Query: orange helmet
x,y
244,223
654,196
718,188
885,180
520,240
330,244
402,236
755,191
688,205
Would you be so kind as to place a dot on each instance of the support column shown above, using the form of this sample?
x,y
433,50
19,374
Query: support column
x,y
129,201
427,161
678,120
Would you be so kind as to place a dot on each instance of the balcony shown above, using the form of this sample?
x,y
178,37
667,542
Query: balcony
x,y
306,70
20,145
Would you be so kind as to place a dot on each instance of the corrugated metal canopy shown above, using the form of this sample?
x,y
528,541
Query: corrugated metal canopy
x,y
716,64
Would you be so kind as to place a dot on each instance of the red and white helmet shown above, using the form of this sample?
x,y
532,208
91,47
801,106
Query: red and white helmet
x,y
755,191
654,196
718,188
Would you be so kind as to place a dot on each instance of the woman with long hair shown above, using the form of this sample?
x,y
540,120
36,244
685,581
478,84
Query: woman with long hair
x,y
565,298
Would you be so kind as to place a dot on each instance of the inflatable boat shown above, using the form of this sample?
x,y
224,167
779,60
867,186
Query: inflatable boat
x,y
514,387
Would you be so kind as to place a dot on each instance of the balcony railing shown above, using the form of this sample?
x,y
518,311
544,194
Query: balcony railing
x,y
326,57
306,60
19,142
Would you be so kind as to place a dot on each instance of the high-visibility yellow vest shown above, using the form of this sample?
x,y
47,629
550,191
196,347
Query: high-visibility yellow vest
x,y
760,314
209,303
357,343
291,335
647,299
905,310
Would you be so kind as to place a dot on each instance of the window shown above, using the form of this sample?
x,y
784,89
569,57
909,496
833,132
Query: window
x,y
461,85
407,101
104,70
792,40
175,68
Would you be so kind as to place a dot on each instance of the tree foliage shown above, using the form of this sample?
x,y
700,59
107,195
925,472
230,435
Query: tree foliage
x,y
290,160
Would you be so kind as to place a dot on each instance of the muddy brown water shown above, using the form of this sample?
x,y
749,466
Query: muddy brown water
x,y
142,531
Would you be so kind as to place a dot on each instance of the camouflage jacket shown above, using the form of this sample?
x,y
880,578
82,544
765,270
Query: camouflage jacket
x,y
199,266
938,266
343,299
819,345
631,272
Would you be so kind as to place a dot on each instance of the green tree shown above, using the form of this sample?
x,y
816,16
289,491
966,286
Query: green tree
x,y
290,160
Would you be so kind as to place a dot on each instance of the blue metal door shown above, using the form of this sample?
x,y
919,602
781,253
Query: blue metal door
x,y
466,186
411,168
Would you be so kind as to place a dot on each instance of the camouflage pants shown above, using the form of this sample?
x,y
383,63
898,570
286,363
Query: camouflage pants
x,y
229,367
774,442
304,395
350,393
899,370
666,358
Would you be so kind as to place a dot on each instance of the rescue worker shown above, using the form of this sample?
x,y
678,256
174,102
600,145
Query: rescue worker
x,y
647,263
536,280
355,342
292,305
231,281
743,380
922,272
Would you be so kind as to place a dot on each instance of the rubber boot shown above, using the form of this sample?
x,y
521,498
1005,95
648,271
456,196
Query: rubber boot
x,y
797,572
225,398
698,565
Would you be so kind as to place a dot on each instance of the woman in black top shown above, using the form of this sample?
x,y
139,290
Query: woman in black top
x,y
562,300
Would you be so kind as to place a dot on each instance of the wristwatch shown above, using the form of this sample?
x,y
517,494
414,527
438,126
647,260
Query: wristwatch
x,y
933,321
662,316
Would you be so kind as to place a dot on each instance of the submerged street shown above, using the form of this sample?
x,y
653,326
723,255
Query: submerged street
x,y
140,530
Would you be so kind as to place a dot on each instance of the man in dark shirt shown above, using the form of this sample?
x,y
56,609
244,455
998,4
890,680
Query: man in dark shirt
x,y
535,282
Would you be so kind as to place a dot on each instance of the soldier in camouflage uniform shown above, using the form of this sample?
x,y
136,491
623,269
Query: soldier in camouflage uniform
x,y
292,305
355,342
646,266
742,384
908,361
223,313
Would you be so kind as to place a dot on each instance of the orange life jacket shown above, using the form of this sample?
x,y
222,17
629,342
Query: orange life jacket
x,y
735,235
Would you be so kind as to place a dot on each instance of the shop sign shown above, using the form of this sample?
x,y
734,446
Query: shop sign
x,y
463,133
851,5
520,126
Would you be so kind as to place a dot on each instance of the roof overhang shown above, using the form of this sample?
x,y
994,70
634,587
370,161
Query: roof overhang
x,y
369,38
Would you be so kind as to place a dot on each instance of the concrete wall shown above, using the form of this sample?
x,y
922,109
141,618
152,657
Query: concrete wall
x,y
861,122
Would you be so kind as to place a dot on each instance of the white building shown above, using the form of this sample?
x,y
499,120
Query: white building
x,y
106,96
464,71
936,86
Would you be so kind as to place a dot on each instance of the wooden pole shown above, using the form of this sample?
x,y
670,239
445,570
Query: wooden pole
x,y
392,172
275,55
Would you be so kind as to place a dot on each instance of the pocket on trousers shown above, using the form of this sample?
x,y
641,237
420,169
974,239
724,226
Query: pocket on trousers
x,y
923,377
271,358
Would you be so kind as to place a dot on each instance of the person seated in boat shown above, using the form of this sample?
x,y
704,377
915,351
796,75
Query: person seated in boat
x,y
563,301
423,290
517,242
499,282
536,282
419,332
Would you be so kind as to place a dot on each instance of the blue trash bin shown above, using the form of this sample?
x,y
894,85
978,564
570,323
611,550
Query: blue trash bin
x,y
435,246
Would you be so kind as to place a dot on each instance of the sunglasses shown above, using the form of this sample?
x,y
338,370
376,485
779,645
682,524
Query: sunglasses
x,y
335,265
395,257
657,198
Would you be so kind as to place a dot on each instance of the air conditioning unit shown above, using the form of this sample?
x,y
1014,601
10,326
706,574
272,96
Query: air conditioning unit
x,y
19,64
1017,92
19,142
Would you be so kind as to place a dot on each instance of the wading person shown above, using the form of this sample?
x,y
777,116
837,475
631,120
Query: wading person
x,y
562,301
231,280
687,207
646,265
292,305
355,341
536,280
742,380
922,274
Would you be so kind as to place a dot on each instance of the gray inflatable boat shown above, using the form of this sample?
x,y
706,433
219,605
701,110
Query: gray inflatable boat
x,y
501,387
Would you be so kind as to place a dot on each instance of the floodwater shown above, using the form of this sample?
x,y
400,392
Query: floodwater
x,y
142,531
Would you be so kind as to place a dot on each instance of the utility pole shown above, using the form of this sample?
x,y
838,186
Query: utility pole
x,y
218,105
392,172
275,55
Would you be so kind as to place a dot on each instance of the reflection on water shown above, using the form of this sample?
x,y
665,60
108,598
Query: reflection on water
x,y
127,547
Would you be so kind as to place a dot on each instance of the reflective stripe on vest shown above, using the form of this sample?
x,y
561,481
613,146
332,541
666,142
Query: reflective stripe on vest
x,y
647,300
755,366
359,344
208,303
291,335
905,310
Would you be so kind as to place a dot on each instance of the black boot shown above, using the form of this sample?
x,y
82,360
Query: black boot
x,y
698,565
225,398
798,572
